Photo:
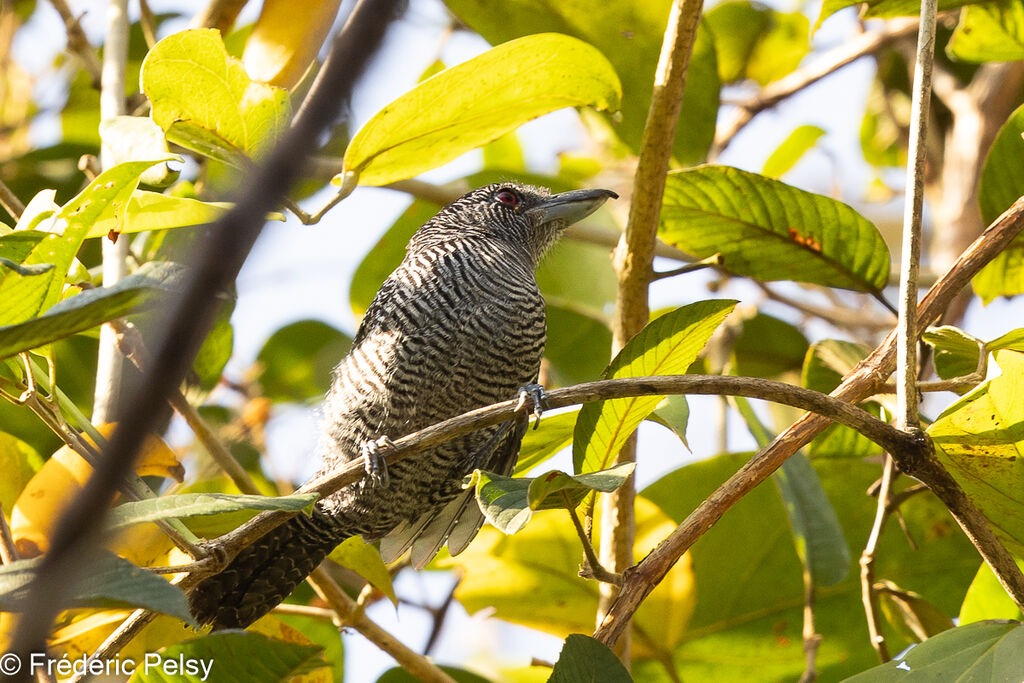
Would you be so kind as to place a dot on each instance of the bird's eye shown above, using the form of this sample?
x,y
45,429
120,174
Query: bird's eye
x,y
507,197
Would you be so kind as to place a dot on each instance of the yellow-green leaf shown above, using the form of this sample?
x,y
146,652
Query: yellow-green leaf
x,y
365,560
666,346
204,100
478,101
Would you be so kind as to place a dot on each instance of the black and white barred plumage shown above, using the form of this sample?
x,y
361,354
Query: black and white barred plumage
x,y
458,325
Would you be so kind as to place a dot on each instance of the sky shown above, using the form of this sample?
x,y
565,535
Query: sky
x,y
297,272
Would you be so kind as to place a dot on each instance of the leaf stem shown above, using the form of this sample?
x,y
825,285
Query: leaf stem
x,y
593,568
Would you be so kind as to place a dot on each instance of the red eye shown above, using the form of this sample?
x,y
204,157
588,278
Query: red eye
x,y
507,197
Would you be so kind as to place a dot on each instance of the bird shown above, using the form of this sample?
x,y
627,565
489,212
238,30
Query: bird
x,y
460,324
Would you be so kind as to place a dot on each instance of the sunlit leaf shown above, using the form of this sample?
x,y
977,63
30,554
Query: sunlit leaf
x,y
987,599
19,462
884,8
365,560
666,346
956,352
985,650
980,438
989,32
629,34
155,211
768,230
757,42
196,504
205,102
552,435
791,150
477,101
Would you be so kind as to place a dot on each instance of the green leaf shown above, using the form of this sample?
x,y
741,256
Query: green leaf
x,y
989,32
768,347
479,101
106,581
756,42
883,8
987,599
673,413
1013,340
578,345
199,504
399,675
104,198
791,150
956,352
205,102
826,363
768,230
911,614
980,439
986,650
298,358
508,503
629,34
818,537
231,656
552,435
1002,181
667,346
139,291
155,211
584,659
215,351
364,559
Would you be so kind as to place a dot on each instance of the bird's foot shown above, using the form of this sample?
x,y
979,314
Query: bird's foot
x,y
373,461
535,394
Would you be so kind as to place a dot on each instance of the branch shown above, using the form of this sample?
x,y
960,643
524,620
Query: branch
x,y
219,14
634,258
860,383
833,60
219,258
78,43
10,202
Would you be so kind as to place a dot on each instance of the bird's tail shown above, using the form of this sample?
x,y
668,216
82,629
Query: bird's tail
x,y
265,573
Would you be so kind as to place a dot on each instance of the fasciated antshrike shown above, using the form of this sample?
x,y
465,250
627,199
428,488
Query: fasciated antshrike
x,y
459,325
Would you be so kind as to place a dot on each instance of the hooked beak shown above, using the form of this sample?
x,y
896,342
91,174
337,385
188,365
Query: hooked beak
x,y
570,206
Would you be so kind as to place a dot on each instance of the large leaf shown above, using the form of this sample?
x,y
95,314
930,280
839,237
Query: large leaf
x,y
1002,181
105,581
139,291
629,34
987,599
666,346
768,230
989,32
509,503
980,440
106,197
297,360
155,211
476,102
230,656
205,102
584,659
286,39
983,651
747,622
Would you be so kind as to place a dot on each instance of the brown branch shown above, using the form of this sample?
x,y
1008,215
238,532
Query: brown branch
x,y
811,637
78,43
349,613
860,383
219,14
219,259
833,60
869,596
10,202
633,261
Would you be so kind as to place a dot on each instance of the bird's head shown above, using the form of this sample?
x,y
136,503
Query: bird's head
x,y
519,214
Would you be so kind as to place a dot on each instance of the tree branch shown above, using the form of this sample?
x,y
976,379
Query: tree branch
x,y
78,43
860,383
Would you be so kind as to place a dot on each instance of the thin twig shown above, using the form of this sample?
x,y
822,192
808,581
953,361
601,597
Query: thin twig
x,y
869,596
10,202
440,613
833,60
709,262
8,551
410,660
220,258
78,43
811,637
859,384
593,568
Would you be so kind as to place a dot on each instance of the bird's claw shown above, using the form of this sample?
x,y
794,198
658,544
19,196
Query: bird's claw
x,y
374,463
535,394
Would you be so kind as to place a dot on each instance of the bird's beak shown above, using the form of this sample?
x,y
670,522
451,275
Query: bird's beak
x,y
570,206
